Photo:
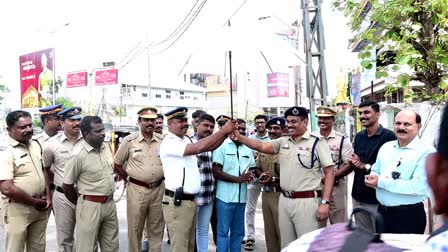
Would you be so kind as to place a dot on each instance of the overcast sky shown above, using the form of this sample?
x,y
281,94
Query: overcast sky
x,y
87,33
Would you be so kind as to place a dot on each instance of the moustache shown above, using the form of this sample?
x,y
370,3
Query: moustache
x,y
28,133
402,131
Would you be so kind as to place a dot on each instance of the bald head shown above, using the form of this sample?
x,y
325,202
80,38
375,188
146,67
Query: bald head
x,y
406,126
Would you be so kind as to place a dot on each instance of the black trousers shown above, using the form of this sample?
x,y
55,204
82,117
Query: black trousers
x,y
404,219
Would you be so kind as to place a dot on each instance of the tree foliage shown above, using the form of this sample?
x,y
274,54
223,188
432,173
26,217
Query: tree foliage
x,y
65,101
415,30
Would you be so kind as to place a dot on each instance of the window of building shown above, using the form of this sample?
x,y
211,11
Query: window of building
x,y
195,98
181,97
168,91
168,96
181,92
144,95
158,96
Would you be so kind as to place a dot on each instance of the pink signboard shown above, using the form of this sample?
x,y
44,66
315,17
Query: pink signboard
x,y
78,79
106,77
278,85
36,78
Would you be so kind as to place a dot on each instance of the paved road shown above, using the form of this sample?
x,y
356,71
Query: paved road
x,y
121,211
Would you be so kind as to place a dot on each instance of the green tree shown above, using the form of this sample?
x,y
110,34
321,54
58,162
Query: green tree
x,y
4,90
415,30
64,101
57,87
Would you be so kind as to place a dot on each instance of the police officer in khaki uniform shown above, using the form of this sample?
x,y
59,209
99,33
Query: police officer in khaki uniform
x,y
52,123
145,175
304,159
341,152
24,185
268,173
91,169
55,155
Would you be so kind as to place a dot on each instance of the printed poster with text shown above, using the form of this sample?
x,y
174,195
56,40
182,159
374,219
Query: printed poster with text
x,y
36,78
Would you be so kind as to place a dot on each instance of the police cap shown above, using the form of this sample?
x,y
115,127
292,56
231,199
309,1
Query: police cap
x,y
178,113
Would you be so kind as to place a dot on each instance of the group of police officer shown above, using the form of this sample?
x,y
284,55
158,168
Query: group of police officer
x,y
71,172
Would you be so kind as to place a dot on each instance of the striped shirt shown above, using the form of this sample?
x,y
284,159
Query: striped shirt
x,y
206,193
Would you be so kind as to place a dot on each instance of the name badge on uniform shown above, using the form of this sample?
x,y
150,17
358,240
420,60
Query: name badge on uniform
x,y
64,152
135,153
24,155
285,146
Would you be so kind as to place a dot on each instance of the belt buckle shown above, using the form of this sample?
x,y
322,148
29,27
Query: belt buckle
x,y
316,195
287,194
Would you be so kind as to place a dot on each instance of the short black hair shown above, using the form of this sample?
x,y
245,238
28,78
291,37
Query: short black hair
x,y
374,105
206,117
264,117
418,118
86,124
159,116
14,116
442,146
239,120
198,113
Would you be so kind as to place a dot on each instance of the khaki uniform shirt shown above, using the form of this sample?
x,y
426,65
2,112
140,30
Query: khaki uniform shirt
x,y
22,163
57,151
334,142
293,175
143,157
42,138
269,163
91,171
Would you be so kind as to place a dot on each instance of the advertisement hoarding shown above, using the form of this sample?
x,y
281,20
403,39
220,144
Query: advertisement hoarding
x,y
278,85
36,78
76,79
106,77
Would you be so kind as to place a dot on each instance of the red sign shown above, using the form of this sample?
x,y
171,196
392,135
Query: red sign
x,y
36,78
78,79
106,77
278,85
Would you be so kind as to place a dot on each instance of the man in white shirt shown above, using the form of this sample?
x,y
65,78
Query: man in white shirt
x,y
182,179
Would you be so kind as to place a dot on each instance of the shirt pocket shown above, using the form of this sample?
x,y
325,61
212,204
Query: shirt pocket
x,y
95,173
23,165
137,154
304,157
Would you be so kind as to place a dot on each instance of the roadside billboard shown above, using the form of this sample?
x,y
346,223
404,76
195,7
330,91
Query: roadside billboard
x,y
106,77
278,85
76,79
36,78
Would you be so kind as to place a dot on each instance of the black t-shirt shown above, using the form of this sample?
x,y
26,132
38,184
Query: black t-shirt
x,y
367,150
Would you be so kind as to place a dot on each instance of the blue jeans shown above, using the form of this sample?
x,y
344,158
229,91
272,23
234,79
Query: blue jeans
x,y
230,219
204,215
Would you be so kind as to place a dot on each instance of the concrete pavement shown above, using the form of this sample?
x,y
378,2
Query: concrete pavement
x,y
121,212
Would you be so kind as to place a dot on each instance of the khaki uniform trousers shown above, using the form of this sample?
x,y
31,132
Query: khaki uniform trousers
x,y
181,222
297,217
65,217
144,206
270,216
24,227
96,223
338,203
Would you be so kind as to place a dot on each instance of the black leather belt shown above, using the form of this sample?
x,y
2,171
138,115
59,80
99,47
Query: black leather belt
x,y
184,196
400,207
59,189
150,185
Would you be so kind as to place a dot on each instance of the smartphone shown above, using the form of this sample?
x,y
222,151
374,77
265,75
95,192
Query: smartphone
x,y
263,177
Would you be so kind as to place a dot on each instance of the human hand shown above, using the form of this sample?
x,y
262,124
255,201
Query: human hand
x,y
230,126
356,161
371,180
265,178
246,177
40,204
323,212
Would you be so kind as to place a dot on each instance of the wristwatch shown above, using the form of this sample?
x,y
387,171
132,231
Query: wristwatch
x,y
367,166
324,202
